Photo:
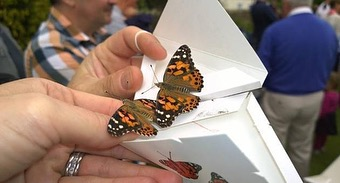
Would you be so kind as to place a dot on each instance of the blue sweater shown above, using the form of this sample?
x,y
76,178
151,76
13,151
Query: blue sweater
x,y
299,52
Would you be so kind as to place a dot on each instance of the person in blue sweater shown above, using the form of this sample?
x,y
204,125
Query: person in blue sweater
x,y
299,53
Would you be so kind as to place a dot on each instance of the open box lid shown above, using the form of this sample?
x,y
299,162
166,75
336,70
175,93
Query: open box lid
x,y
219,49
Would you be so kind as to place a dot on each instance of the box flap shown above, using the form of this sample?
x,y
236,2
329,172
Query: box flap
x,y
206,26
217,45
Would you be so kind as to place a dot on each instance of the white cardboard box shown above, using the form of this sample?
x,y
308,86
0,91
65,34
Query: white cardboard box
x,y
228,134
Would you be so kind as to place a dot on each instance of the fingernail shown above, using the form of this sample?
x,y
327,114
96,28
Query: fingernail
x,y
129,137
126,80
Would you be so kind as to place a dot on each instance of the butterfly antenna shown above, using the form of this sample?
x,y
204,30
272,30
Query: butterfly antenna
x,y
148,89
154,74
164,155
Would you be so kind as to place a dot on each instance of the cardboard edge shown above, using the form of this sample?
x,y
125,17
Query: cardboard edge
x,y
274,146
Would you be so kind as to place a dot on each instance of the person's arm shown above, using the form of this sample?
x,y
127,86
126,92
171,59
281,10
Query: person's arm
x,y
265,50
43,122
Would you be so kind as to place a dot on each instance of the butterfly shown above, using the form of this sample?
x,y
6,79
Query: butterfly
x,y
180,78
134,116
215,178
186,169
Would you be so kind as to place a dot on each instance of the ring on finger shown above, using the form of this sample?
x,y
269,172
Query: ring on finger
x,y
73,163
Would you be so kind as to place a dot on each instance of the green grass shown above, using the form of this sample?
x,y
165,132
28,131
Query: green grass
x,y
242,19
321,161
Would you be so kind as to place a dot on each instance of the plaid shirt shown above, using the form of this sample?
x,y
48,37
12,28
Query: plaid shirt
x,y
58,48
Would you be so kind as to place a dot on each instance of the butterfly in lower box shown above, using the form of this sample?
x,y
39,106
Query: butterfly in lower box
x,y
186,169
180,78
215,178
134,116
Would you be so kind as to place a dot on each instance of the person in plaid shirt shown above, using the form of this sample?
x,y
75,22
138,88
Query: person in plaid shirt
x,y
72,29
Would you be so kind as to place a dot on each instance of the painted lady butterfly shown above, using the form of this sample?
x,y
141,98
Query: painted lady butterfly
x,y
186,169
180,78
134,116
215,178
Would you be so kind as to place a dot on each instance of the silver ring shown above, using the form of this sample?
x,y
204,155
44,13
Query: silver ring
x,y
73,163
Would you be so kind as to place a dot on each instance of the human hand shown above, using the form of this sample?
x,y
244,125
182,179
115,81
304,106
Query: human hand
x,y
43,122
112,68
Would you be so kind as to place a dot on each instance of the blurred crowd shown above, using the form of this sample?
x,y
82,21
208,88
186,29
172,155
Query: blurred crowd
x,y
299,46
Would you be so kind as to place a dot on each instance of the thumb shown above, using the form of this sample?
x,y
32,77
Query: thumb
x,y
123,83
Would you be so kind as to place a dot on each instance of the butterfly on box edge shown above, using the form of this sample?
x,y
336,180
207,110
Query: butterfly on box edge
x,y
134,116
216,178
180,78
186,169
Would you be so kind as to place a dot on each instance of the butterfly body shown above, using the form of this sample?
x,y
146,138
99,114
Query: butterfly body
x,y
134,116
179,80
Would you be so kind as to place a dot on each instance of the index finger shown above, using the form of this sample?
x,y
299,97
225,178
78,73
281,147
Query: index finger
x,y
146,43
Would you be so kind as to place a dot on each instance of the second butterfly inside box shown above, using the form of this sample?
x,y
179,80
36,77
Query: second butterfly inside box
x,y
174,97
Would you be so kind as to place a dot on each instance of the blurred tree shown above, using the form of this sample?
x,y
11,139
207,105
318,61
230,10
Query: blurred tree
x,y
23,17
153,7
318,1
152,4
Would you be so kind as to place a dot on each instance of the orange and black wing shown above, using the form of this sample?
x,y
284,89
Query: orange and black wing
x,y
134,116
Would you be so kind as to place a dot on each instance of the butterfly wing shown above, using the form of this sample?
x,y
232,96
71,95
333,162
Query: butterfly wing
x,y
186,169
216,178
182,72
147,109
168,107
133,116
189,170
189,100
172,101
